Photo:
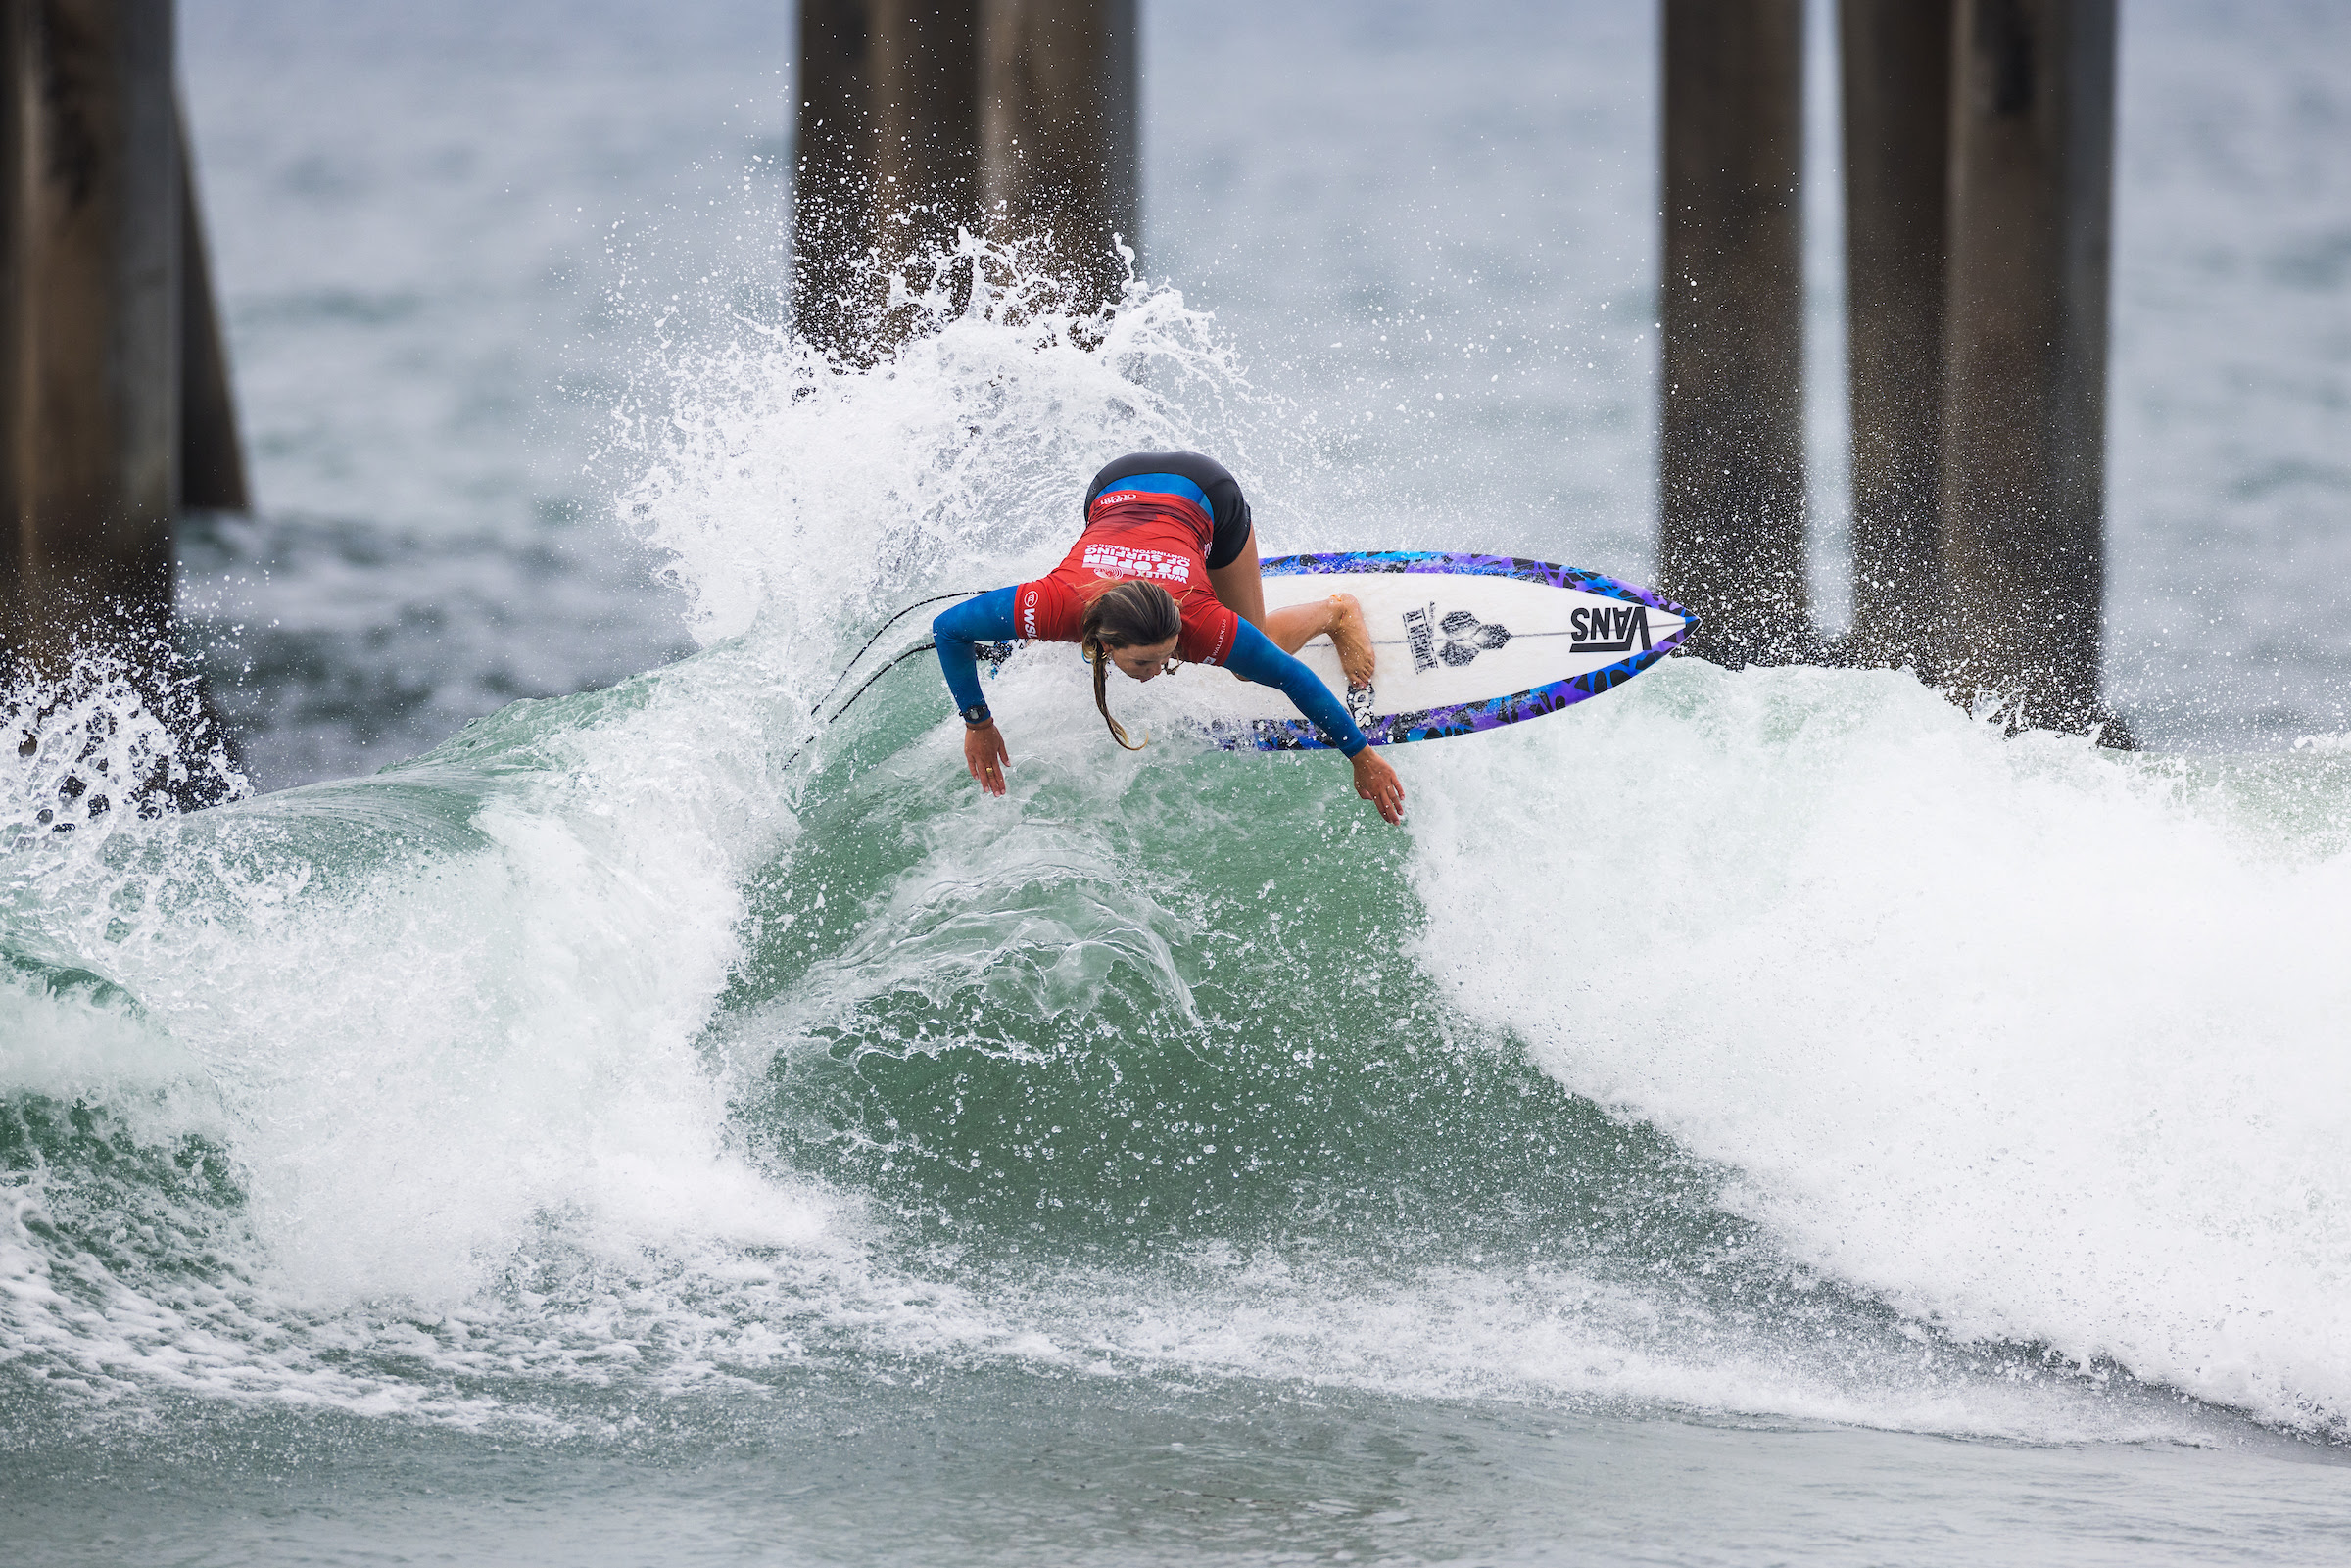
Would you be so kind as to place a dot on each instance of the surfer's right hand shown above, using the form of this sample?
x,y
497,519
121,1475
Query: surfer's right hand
x,y
1377,782
985,754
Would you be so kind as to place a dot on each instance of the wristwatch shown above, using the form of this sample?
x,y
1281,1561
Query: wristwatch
x,y
977,715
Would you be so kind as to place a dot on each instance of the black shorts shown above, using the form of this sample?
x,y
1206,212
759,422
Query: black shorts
x,y
1228,508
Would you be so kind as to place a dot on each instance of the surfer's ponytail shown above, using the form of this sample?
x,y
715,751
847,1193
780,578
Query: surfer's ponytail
x,y
1127,615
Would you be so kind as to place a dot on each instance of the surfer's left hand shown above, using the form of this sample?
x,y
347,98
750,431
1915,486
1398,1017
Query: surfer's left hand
x,y
1377,782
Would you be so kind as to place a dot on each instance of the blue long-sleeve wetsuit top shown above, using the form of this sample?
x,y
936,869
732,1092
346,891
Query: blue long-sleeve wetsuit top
x,y
990,619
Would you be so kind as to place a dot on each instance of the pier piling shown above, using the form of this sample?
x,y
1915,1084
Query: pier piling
x,y
94,257
115,401
1730,308
212,457
1895,61
2023,503
1059,112
1014,118
886,157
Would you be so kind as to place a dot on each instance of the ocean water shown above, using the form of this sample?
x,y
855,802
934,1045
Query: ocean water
x,y
575,1109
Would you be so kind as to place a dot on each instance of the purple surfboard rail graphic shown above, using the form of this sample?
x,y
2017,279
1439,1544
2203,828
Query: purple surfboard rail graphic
x,y
1465,718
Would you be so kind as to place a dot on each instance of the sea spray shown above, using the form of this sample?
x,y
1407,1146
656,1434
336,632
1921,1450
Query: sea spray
x,y
783,485
107,741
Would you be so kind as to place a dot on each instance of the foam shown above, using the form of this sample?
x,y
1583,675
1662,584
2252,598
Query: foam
x,y
1562,1335
451,1055
453,1015
2040,1042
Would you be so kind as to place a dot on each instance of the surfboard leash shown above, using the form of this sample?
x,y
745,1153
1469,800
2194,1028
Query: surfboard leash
x,y
996,652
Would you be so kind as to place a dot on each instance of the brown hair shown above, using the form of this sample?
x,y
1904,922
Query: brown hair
x,y
1129,615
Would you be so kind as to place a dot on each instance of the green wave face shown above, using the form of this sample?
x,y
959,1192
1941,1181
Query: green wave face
x,y
1170,1009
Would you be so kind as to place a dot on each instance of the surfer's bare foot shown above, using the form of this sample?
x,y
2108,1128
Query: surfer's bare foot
x,y
1339,618
1350,635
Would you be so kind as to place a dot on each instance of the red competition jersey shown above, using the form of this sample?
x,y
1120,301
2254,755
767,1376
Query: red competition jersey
x,y
1135,536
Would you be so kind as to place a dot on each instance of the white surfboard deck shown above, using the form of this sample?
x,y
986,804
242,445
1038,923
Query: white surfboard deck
x,y
1463,642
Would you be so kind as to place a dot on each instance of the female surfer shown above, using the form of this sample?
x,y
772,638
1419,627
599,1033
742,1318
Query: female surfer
x,y
1166,568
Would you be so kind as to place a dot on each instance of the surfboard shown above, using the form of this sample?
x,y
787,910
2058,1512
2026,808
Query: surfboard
x,y
1466,642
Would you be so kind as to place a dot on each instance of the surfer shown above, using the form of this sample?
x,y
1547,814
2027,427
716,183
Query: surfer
x,y
1165,569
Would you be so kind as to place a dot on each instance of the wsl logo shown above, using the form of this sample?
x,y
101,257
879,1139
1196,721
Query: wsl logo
x,y
1611,630
1465,637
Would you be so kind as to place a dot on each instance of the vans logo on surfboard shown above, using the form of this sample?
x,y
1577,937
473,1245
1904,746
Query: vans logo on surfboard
x,y
1465,637
1610,629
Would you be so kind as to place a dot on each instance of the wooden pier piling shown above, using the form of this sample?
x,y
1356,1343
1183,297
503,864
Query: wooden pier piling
x,y
885,158
2025,409
115,402
1060,107
1896,68
1730,308
94,257
1013,119
211,456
